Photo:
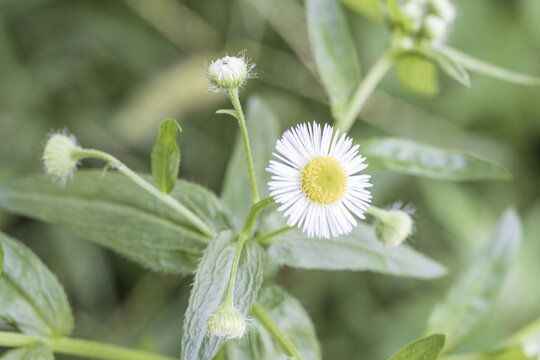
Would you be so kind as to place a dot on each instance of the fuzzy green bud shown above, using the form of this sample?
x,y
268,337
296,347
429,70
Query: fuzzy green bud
x,y
229,72
393,226
226,322
57,156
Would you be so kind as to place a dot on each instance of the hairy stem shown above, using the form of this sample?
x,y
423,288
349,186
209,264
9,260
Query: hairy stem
x,y
85,348
229,295
233,95
264,319
167,199
365,89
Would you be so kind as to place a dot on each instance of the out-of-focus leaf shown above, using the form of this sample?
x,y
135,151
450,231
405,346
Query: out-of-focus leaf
x,y
451,67
166,156
358,251
472,296
414,158
504,354
31,299
113,212
1,259
369,8
334,52
38,351
417,74
263,129
209,290
291,318
424,349
487,69
528,339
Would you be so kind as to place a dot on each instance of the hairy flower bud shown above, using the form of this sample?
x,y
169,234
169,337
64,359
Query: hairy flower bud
x,y
229,72
393,226
57,156
226,322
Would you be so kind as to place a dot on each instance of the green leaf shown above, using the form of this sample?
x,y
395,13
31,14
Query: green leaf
x,y
263,128
369,8
1,259
209,289
417,74
228,112
504,354
291,318
424,349
334,52
414,158
447,64
166,156
38,351
112,211
357,251
473,294
487,69
31,299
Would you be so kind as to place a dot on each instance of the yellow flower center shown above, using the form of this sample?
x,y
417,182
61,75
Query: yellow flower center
x,y
324,180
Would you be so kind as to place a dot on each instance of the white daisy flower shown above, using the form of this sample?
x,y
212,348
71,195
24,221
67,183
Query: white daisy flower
x,y
316,181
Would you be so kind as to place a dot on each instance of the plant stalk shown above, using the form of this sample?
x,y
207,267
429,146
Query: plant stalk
x,y
78,347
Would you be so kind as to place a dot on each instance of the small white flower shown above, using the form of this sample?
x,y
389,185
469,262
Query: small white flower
x,y
445,9
57,156
435,27
316,180
226,322
229,72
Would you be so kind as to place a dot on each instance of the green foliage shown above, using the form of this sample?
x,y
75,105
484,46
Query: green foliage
x,y
112,211
263,127
209,288
166,156
472,296
413,158
424,349
334,52
450,66
417,74
38,351
504,354
358,251
369,8
31,299
292,320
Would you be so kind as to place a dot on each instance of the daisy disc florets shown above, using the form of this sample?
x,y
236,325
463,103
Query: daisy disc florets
x,y
315,179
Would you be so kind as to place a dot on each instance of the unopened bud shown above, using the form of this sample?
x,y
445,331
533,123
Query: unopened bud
x,y
414,12
229,72
444,9
393,226
226,322
435,27
57,156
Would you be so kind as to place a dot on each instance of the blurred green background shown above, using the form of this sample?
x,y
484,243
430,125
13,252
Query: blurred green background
x,y
111,71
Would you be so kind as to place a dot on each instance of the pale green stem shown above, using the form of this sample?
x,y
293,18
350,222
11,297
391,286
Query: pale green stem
x,y
364,90
233,95
167,199
229,295
376,212
264,319
85,348
269,237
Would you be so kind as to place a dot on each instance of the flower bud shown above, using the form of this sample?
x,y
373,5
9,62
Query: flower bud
x,y
226,322
414,12
57,156
229,72
444,9
393,226
435,27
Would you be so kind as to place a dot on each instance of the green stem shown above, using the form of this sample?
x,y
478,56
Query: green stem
x,y
264,319
268,238
167,199
233,95
365,89
85,348
229,295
